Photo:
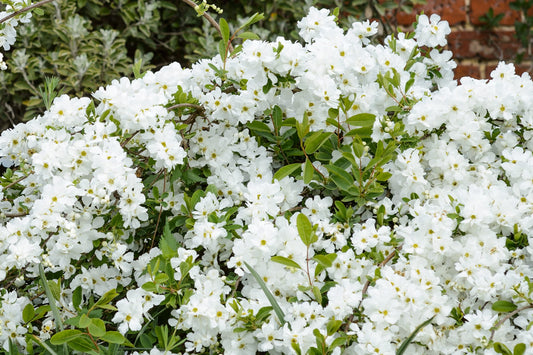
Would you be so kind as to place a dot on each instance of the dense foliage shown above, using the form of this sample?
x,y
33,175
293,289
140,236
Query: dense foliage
x,y
84,43
324,197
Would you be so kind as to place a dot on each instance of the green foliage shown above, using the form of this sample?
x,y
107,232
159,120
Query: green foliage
x,y
85,43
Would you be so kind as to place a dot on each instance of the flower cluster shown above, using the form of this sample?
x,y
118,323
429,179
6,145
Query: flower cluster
x,y
333,194
8,33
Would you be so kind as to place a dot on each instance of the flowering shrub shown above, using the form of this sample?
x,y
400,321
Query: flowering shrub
x,y
319,198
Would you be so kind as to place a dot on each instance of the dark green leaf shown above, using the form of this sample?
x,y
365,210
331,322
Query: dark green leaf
x,y
277,118
258,126
286,171
340,177
65,336
82,343
315,141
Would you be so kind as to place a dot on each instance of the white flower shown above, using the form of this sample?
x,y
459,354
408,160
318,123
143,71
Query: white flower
x,y
431,32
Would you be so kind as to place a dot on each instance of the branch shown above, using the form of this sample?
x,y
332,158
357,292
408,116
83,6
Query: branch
x,y
367,284
209,18
185,105
31,7
17,181
497,325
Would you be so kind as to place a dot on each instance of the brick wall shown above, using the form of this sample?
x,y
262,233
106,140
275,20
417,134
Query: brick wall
x,y
477,51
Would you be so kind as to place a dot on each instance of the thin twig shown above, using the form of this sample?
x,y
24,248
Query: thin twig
x,y
14,215
367,284
185,105
209,18
31,7
497,325
123,144
17,181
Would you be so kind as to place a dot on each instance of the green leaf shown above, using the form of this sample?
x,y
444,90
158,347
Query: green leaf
x,y
303,127
305,229
65,336
253,19
108,307
362,120
308,171
268,294
317,294
113,337
51,299
263,313
503,306
259,126
97,327
325,260
363,132
502,349
106,298
277,118
76,298
286,171
27,313
340,177
380,215
161,278
38,11
519,349
409,83
222,50
168,244
224,30
248,35
285,261
315,141
82,343
337,342
411,337
296,348
84,321
358,149
333,325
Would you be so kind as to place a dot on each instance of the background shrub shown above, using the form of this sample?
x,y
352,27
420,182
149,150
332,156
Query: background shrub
x,y
87,43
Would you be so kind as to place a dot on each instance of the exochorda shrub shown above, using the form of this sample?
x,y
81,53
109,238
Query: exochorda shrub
x,y
321,198
84,43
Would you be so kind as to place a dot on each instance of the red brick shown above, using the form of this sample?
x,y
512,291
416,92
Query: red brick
x,y
470,70
519,69
453,11
483,44
479,8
